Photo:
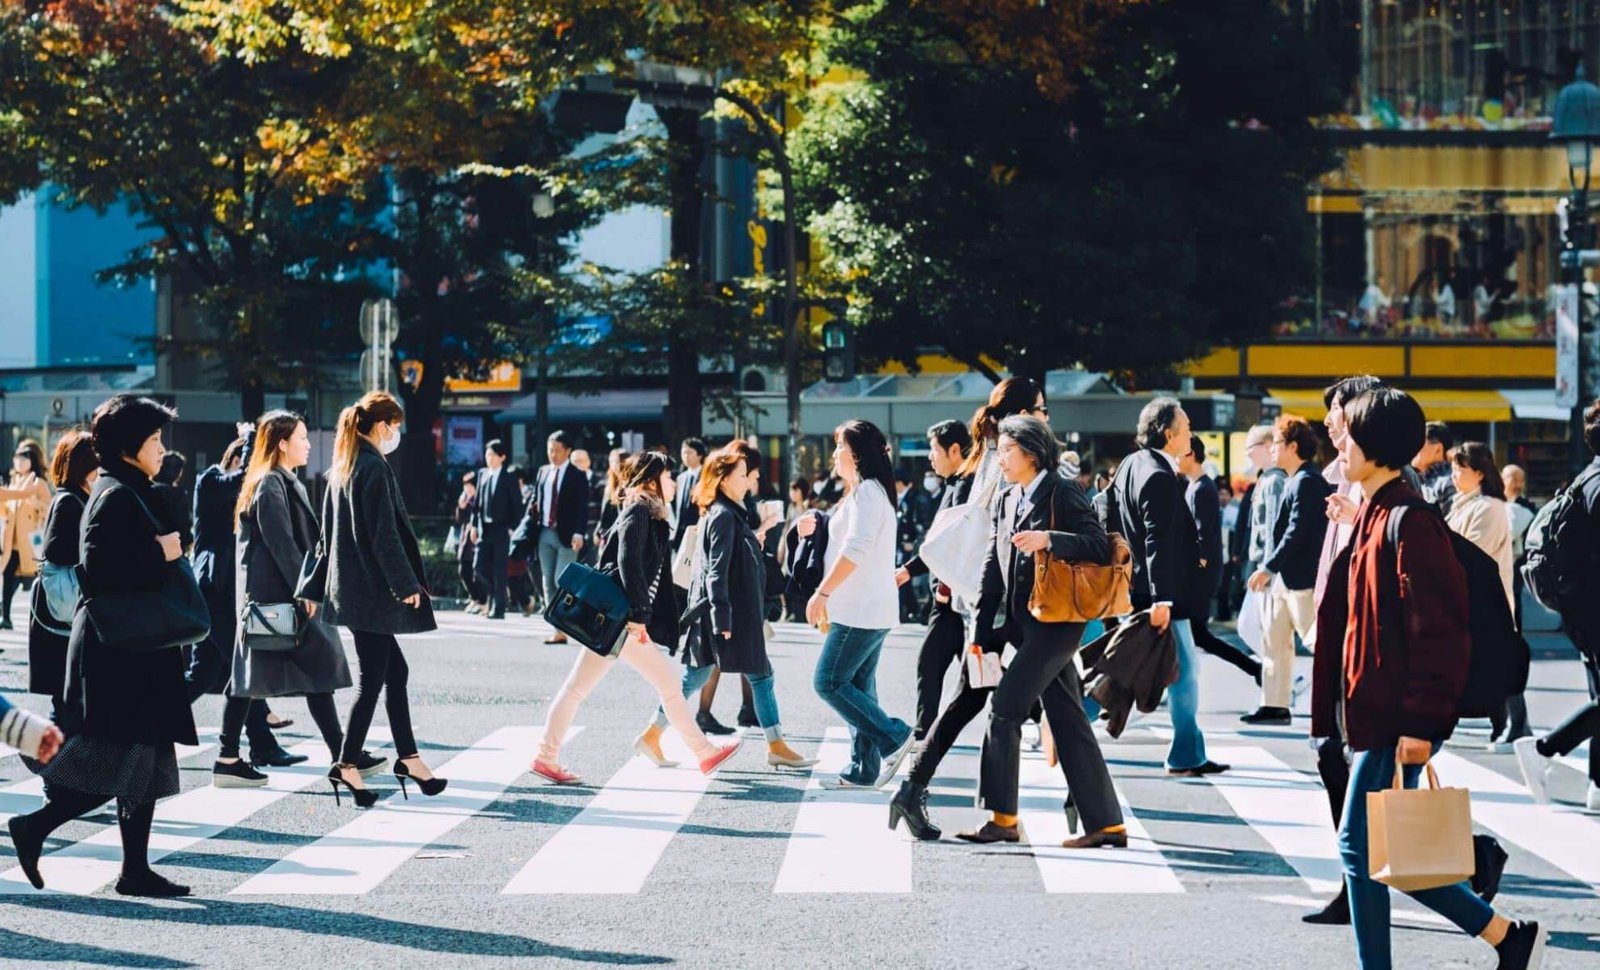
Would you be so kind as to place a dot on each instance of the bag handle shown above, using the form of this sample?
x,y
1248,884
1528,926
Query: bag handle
x,y
1399,776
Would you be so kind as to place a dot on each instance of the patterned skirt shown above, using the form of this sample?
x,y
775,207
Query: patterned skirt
x,y
133,771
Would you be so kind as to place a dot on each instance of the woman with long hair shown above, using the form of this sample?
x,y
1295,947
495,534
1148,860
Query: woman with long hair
x,y
858,604
638,551
25,503
616,486
277,527
376,586
123,747
1014,395
74,467
727,628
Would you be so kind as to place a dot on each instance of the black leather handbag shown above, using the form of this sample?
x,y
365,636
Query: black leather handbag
x,y
273,627
172,615
590,607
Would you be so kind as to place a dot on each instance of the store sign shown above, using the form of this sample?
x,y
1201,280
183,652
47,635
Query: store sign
x,y
1567,346
504,376
463,438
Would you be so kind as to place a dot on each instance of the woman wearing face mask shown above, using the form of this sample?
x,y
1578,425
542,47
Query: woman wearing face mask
x,y
375,586
726,600
131,706
277,527
638,551
858,602
25,505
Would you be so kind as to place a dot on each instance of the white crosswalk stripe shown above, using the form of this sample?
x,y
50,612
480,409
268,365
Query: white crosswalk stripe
x,y
21,797
615,842
361,854
1286,808
840,842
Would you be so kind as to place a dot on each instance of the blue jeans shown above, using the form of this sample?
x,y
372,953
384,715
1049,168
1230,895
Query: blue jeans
x,y
1373,771
847,679
763,697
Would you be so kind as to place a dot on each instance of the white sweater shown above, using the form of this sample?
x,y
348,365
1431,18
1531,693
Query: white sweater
x,y
862,529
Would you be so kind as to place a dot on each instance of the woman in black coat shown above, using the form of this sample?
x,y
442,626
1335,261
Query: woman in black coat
x,y
133,706
638,552
727,599
277,527
375,586
74,468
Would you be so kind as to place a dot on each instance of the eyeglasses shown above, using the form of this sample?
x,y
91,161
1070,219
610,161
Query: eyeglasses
x,y
1041,409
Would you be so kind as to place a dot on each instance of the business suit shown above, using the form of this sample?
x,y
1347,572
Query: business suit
x,y
1156,522
947,633
1292,558
558,511
1043,670
498,508
684,512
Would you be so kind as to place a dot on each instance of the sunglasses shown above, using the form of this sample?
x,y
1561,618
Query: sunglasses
x,y
1041,409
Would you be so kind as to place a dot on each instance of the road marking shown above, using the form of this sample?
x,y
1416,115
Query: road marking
x,y
1568,840
1140,868
616,841
27,795
841,842
196,815
1287,808
359,855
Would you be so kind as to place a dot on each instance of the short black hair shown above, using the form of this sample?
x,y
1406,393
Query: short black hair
x,y
951,433
697,445
1197,446
1341,391
1157,417
559,437
902,475
172,467
470,478
1591,427
1296,432
498,447
1388,425
1438,431
123,423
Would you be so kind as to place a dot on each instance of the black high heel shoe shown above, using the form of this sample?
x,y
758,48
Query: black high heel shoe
x,y
429,786
364,797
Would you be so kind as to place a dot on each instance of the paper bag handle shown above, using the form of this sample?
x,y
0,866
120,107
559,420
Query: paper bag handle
x,y
1399,776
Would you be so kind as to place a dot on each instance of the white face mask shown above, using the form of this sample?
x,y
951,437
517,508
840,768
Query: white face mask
x,y
930,483
390,443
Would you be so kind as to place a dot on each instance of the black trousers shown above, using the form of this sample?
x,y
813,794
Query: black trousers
x,y
1043,671
494,547
467,570
1222,649
946,728
941,647
210,671
1334,770
1584,724
12,581
383,668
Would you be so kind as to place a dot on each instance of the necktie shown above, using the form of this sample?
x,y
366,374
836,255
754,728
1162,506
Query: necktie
x,y
550,503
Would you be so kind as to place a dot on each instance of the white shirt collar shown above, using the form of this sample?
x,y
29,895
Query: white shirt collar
x,y
1171,461
1029,489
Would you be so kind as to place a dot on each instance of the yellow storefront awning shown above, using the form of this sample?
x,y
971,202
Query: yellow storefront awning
x,y
1438,404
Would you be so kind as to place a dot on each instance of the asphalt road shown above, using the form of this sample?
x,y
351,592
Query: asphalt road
x,y
647,866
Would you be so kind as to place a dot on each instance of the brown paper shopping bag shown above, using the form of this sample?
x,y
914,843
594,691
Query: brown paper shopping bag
x,y
1419,838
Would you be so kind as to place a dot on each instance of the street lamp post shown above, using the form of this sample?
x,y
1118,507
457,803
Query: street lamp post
x,y
1576,124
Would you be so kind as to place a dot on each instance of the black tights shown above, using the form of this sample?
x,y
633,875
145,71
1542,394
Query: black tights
x,y
383,668
326,717
12,581
62,805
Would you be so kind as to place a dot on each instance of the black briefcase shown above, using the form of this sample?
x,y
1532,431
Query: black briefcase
x,y
590,607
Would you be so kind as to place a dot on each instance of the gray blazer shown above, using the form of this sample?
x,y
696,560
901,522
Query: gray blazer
x,y
373,559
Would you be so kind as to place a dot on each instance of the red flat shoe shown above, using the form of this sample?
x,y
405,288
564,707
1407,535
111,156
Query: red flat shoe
x,y
710,763
555,774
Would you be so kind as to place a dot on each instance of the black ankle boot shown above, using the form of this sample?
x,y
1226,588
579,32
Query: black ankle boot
x,y
910,803
1336,913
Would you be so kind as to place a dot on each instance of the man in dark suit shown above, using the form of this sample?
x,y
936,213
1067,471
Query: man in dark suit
x,y
499,506
1152,515
685,513
1205,506
558,513
1288,575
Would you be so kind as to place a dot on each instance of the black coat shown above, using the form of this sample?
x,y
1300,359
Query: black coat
x,y
216,493
176,510
684,512
1148,500
1296,547
275,534
640,548
373,559
572,508
1075,535
1206,507
499,504
728,593
121,696
47,650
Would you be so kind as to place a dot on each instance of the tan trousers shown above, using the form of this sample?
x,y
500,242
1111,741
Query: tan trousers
x,y
1284,612
590,668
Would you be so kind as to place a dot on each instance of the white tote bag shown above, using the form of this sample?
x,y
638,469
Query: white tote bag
x,y
683,559
957,544
1251,627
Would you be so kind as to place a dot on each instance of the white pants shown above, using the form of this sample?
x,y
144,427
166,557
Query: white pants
x,y
590,668
1284,612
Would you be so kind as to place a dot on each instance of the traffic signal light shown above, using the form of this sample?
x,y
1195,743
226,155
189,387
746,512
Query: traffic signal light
x,y
838,352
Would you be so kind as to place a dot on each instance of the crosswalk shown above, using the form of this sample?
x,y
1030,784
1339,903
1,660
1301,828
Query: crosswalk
x,y
834,841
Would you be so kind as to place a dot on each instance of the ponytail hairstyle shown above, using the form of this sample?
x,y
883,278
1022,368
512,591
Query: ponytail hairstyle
x,y
355,422
273,428
641,474
871,449
1014,395
717,466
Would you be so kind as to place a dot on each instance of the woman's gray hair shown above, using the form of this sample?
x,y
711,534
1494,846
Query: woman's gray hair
x,y
1034,437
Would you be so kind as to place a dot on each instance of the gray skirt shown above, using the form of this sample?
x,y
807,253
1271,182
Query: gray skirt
x,y
133,771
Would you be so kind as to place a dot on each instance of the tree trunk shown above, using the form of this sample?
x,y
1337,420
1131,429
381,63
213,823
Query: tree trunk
x,y
684,399
252,399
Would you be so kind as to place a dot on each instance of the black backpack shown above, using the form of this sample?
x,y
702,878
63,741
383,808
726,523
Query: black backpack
x,y
1554,563
1500,656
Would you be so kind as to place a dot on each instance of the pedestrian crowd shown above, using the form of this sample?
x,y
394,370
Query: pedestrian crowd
x,y
1063,595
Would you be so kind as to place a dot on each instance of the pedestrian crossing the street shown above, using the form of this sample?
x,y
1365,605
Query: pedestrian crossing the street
x,y
835,841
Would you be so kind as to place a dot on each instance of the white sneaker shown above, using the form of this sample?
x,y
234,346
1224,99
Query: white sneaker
x,y
1535,769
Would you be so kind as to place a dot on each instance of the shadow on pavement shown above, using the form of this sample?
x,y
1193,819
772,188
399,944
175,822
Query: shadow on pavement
x,y
38,949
